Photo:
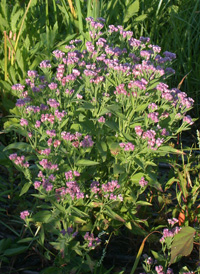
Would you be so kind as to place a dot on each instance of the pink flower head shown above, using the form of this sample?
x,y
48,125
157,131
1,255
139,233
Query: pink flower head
x,y
24,214
101,119
127,146
142,182
23,122
37,184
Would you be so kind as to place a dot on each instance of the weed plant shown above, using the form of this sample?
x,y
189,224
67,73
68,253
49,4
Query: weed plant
x,y
95,120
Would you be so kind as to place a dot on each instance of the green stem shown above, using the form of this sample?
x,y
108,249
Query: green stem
x,y
6,57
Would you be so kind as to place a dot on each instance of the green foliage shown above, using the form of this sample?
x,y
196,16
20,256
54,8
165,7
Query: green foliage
x,y
182,244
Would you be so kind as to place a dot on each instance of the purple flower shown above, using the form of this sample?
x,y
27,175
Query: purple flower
x,y
53,103
18,87
87,141
45,64
188,120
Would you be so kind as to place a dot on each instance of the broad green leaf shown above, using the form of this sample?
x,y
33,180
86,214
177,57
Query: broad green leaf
x,y
136,177
183,243
85,162
131,10
15,111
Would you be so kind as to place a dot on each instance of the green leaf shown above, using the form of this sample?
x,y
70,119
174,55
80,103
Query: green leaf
x,y
141,107
143,203
118,169
136,177
153,84
86,105
20,146
140,18
5,244
102,148
25,188
25,240
158,256
169,149
183,243
5,85
15,251
113,125
128,137
113,215
131,10
79,212
85,162
42,216
170,182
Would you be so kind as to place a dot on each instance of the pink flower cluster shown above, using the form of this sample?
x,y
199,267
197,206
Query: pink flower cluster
x,y
70,174
92,241
19,160
108,189
127,146
169,233
23,122
142,182
150,136
48,165
24,214
46,182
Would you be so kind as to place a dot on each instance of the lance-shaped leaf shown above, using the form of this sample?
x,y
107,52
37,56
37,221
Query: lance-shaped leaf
x,y
183,243
113,215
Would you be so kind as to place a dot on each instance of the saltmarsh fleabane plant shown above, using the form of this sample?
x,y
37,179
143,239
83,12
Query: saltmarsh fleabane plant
x,y
95,119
